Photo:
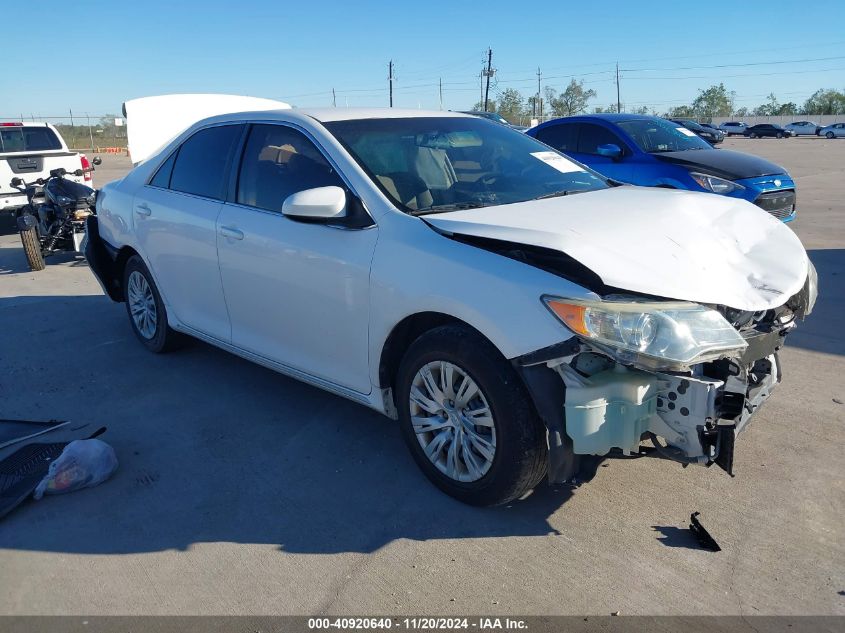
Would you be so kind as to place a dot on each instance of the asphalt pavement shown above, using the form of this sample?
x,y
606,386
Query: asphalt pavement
x,y
241,491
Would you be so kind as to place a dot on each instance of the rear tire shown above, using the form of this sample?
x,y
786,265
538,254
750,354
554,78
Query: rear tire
x,y
32,249
511,427
147,314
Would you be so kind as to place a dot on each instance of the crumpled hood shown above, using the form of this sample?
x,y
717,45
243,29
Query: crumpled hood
x,y
675,244
722,162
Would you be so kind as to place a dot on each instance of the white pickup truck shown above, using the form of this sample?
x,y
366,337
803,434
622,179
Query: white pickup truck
x,y
29,151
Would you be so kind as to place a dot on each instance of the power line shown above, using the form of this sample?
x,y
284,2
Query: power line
x,y
784,61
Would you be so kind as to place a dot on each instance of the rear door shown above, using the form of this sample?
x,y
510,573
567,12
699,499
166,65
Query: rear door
x,y
175,218
297,292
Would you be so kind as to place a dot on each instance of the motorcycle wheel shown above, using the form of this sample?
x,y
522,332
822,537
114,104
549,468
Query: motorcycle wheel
x,y
32,249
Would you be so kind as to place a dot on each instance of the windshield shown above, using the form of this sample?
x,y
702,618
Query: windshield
x,y
656,135
432,164
28,139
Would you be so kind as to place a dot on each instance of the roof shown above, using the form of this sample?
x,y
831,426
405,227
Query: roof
x,y
325,115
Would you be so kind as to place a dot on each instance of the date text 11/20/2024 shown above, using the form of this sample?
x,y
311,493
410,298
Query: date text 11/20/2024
x,y
418,624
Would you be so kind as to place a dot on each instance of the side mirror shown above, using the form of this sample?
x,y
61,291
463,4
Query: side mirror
x,y
320,203
610,150
96,161
16,182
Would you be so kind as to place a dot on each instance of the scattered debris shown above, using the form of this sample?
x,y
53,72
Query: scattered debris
x,y
837,401
14,431
82,464
703,536
616,613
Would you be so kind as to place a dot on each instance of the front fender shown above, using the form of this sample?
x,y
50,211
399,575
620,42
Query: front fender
x,y
417,270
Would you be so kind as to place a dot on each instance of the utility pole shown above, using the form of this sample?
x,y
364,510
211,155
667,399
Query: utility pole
x,y
334,99
71,117
390,80
618,101
440,84
537,100
90,133
488,73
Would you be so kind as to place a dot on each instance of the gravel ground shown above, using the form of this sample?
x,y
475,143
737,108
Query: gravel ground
x,y
241,491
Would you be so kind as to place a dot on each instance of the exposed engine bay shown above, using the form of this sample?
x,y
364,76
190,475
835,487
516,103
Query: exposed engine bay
x,y
691,415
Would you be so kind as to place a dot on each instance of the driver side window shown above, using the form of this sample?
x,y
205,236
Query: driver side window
x,y
277,162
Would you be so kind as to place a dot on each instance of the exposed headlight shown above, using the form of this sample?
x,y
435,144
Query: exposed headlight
x,y
660,334
714,183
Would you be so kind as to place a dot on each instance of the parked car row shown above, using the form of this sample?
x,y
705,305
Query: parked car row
x,y
655,152
796,128
512,308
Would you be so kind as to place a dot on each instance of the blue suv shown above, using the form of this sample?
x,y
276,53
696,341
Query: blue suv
x,y
653,152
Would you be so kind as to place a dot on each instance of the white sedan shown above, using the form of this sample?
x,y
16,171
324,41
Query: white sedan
x,y
833,131
441,269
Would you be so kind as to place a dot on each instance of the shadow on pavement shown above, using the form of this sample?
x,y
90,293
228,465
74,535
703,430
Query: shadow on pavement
x,y
671,536
822,331
213,448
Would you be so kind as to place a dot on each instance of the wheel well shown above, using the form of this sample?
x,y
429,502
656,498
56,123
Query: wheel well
x,y
403,334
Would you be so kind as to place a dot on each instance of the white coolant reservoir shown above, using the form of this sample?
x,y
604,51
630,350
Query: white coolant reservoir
x,y
610,409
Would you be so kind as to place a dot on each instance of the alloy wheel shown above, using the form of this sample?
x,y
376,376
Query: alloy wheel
x,y
142,305
452,421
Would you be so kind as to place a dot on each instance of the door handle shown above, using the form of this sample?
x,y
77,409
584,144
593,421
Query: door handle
x,y
228,231
142,209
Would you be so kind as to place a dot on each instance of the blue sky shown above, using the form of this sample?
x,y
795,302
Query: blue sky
x,y
299,51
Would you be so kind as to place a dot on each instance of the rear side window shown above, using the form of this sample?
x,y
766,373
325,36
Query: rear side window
x,y
562,137
28,139
592,136
162,177
277,162
200,166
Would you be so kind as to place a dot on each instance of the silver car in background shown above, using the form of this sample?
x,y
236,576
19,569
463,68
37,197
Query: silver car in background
x,y
807,128
832,131
733,127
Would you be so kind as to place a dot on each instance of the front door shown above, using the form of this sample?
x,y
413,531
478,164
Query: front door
x,y
298,293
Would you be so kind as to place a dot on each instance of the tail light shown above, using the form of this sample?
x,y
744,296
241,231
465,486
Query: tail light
x,y
85,165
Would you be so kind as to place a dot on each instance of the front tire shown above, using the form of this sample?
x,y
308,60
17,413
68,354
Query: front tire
x,y
146,310
829,135
779,135
31,246
467,418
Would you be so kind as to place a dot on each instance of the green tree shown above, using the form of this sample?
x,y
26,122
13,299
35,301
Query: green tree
x,y
713,101
825,101
511,105
768,109
681,112
479,106
572,100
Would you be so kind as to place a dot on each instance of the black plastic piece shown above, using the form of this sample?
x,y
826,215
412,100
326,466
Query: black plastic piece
x,y
703,536
549,393
21,472
725,447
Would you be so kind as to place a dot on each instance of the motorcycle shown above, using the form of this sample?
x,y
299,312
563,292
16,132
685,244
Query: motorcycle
x,y
53,219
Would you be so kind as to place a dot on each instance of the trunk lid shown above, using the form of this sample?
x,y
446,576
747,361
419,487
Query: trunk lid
x,y
152,122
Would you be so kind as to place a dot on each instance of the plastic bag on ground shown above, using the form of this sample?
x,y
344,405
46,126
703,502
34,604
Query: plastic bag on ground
x,y
82,464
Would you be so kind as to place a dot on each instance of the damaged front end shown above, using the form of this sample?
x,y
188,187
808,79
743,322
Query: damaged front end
x,y
684,377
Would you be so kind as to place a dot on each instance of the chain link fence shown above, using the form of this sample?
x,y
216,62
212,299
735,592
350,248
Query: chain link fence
x,y
87,132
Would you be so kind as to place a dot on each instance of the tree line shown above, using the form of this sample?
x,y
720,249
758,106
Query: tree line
x,y
715,101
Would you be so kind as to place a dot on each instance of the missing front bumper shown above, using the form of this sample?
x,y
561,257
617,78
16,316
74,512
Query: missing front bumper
x,y
606,407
